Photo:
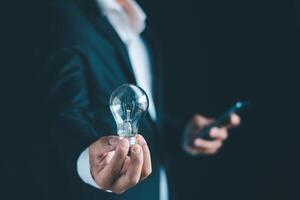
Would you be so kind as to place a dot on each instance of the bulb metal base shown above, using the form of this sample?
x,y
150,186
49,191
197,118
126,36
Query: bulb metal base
x,y
131,139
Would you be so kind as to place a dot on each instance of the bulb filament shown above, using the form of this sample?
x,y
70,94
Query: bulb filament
x,y
127,124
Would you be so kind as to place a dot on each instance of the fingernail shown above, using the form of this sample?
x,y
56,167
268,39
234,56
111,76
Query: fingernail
x,y
213,131
235,120
112,141
136,149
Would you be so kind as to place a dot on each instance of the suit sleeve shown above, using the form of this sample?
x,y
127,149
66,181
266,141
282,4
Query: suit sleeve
x,y
69,117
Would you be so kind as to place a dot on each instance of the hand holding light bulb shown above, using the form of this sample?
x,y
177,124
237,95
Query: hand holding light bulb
x,y
111,167
119,163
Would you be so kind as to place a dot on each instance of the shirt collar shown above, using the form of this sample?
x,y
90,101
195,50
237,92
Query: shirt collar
x,y
107,5
112,5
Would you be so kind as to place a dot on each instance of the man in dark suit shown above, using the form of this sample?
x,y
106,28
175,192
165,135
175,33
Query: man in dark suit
x,y
95,46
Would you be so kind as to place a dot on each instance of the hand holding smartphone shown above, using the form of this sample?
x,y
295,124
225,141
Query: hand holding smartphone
x,y
223,119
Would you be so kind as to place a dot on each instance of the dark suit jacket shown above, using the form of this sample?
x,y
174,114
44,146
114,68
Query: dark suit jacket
x,y
87,61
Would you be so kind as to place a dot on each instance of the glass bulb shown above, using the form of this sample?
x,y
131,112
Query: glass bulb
x,y
128,104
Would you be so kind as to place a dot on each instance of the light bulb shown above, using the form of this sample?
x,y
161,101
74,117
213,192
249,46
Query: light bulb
x,y
128,104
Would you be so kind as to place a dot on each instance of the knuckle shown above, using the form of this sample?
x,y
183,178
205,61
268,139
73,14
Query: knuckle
x,y
133,181
118,191
139,137
197,119
147,172
103,186
211,151
141,140
217,145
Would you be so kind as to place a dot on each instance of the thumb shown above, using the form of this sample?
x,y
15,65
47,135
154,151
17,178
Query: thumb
x,y
234,121
104,144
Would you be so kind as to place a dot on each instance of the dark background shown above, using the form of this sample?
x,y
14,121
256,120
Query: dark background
x,y
216,52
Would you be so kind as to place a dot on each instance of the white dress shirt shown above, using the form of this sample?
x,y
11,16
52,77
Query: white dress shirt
x,y
129,30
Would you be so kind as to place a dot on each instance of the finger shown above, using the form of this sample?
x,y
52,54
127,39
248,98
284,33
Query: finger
x,y
133,174
147,166
218,133
98,151
200,121
234,121
125,165
207,151
209,145
199,150
100,164
104,145
112,171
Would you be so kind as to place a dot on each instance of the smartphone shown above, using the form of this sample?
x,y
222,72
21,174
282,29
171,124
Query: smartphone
x,y
223,119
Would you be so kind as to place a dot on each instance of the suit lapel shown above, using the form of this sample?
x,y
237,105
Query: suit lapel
x,y
105,28
121,50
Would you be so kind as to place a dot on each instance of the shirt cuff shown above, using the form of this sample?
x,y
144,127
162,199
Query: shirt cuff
x,y
83,168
